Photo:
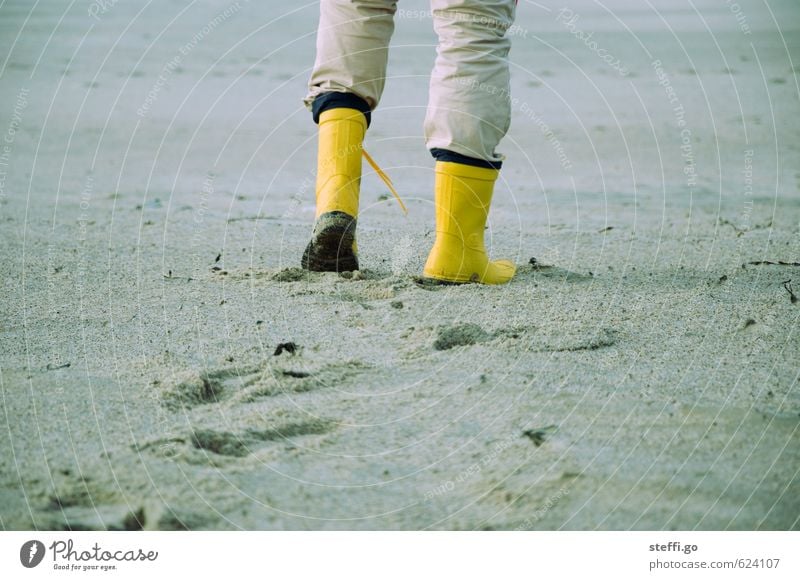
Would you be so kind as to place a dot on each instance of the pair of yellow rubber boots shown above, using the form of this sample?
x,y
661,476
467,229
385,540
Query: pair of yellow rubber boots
x,y
463,194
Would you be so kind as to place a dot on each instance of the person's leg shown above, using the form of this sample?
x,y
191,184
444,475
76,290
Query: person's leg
x,y
468,114
346,85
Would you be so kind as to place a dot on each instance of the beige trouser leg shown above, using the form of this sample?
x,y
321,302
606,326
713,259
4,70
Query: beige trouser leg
x,y
469,110
352,48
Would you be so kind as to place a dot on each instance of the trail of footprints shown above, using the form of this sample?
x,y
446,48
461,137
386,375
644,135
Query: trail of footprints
x,y
237,385
234,386
78,502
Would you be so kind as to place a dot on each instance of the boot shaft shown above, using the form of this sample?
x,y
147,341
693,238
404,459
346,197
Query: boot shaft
x,y
463,195
341,138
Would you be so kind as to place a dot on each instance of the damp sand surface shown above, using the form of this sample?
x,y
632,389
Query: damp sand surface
x,y
165,364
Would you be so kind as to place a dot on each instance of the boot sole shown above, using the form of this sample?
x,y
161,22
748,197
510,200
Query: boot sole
x,y
331,245
457,280
431,280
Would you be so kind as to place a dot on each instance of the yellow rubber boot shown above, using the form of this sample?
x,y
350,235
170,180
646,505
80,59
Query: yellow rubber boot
x,y
333,241
463,195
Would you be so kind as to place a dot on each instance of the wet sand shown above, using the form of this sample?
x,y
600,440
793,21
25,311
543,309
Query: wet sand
x,y
640,372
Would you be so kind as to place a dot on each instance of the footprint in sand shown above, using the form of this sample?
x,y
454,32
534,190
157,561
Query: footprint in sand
x,y
197,444
532,339
243,443
236,385
588,339
562,338
361,286
460,335
189,389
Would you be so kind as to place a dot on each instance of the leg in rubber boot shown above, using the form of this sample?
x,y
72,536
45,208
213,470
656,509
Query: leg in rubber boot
x,y
333,240
463,195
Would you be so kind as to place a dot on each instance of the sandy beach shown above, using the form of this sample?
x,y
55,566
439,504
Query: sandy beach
x,y
165,364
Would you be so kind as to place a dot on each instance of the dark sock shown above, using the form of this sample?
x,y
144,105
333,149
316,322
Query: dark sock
x,y
453,157
339,101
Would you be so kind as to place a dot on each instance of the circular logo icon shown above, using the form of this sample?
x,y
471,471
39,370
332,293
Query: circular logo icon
x,y
31,553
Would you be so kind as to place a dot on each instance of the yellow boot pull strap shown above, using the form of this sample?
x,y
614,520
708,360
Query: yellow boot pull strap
x,y
385,179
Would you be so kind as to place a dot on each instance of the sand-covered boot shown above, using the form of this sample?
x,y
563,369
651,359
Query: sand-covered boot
x,y
463,195
333,241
